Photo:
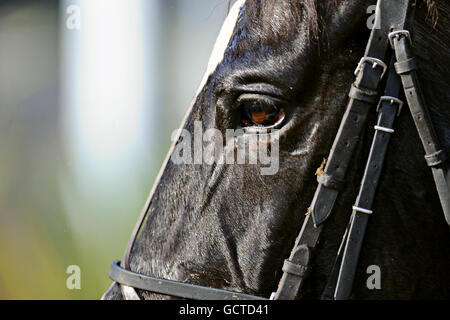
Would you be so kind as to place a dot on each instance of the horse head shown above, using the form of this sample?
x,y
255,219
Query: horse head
x,y
281,72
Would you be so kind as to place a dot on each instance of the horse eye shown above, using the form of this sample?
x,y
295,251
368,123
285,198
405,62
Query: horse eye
x,y
261,114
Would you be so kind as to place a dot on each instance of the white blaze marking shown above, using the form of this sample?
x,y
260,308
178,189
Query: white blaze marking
x,y
221,43
215,59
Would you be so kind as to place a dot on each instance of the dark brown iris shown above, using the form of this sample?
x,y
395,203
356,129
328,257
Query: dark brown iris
x,y
261,114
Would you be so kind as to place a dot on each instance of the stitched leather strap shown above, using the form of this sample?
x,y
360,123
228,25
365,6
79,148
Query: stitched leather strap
x,y
434,154
390,14
173,288
362,209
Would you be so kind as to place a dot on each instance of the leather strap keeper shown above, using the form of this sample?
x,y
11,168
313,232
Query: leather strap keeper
x,y
293,268
406,66
364,95
436,158
330,181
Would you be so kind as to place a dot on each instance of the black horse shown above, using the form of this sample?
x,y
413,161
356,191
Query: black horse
x,y
289,64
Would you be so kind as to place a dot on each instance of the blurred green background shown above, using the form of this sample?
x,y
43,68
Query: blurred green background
x,y
86,116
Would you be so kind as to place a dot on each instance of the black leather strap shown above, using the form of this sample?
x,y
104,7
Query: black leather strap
x,y
435,156
364,95
173,288
390,15
330,287
363,207
290,284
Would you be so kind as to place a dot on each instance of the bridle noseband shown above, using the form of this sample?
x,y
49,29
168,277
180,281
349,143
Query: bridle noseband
x,y
392,17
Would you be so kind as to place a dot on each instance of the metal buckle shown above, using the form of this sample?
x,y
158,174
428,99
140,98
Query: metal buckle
x,y
375,63
397,34
391,100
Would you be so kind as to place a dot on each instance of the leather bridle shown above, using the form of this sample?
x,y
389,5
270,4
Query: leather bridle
x,y
390,39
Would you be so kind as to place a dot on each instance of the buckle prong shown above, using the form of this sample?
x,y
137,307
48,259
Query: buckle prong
x,y
398,34
375,63
391,100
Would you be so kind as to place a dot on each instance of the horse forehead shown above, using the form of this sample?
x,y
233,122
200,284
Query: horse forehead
x,y
272,21
222,41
